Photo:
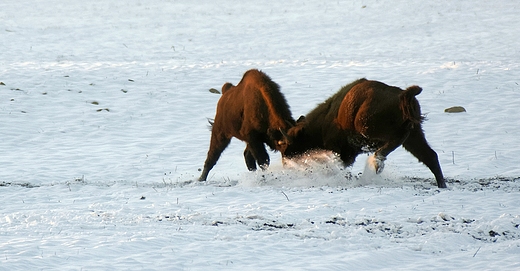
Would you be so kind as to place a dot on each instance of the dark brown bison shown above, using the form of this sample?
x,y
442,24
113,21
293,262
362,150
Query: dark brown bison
x,y
254,111
365,116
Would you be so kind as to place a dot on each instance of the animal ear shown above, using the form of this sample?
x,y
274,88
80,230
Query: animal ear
x,y
300,119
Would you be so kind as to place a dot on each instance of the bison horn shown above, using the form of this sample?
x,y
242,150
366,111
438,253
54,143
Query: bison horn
x,y
283,132
285,136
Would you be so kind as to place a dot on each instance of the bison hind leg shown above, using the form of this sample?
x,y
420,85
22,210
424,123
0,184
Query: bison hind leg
x,y
217,146
417,145
377,160
376,163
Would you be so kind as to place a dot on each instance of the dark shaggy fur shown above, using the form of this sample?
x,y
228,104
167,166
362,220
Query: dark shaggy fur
x,y
366,116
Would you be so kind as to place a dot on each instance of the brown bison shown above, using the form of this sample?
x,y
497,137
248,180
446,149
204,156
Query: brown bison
x,y
254,111
365,116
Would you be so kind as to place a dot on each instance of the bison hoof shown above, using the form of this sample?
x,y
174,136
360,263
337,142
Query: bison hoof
x,y
202,178
376,163
264,166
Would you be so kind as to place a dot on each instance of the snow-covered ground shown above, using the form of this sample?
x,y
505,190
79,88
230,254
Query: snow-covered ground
x,y
104,107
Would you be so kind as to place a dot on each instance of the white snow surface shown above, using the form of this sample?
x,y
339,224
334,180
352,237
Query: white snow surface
x,y
104,107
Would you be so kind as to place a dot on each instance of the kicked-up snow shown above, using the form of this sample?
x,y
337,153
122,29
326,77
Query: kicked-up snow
x,y
104,108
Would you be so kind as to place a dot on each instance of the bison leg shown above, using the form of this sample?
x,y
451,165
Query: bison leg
x,y
250,159
348,156
417,145
260,154
217,146
377,161
257,148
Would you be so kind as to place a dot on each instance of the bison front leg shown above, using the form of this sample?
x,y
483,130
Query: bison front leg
x,y
348,155
257,148
250,159
217,146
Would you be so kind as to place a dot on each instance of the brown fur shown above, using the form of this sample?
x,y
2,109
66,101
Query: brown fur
x,y
409,105
365,116
254,111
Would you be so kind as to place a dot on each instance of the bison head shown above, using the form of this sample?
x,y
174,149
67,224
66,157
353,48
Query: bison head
x,y
277,139
294,142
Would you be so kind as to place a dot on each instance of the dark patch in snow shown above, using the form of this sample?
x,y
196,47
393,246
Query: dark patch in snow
x,y
26,185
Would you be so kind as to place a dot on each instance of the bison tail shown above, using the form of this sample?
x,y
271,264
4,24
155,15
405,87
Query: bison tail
x,y
211,122
410,106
